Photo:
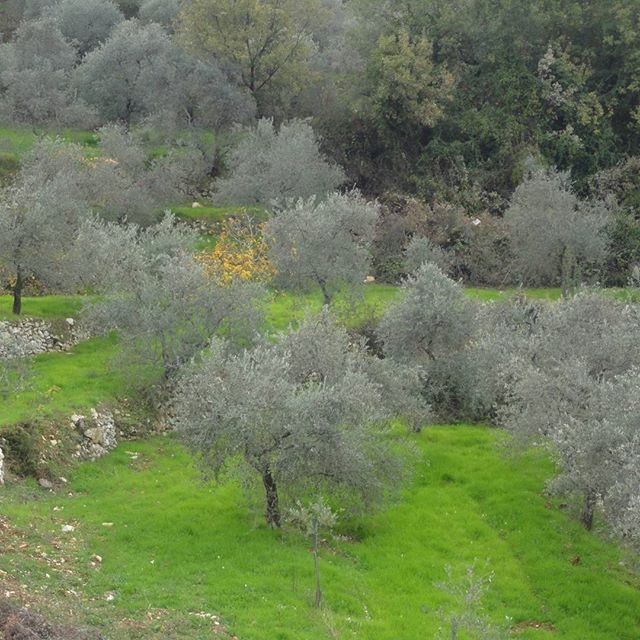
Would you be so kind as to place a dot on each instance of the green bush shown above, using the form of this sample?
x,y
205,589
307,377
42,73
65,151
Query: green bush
x,y
9,165
20,443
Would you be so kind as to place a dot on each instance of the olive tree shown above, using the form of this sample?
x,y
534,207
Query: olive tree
x,y
573,389
124,76
270,165
163,12
201,95
123,183
157,296
40,214
420,250
35,77
303,429
87,23
325,243
430,327
556,237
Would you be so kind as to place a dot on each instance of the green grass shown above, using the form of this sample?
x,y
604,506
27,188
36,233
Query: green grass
x,y
216,214
178,546
486,294
18,141
62,383
42,307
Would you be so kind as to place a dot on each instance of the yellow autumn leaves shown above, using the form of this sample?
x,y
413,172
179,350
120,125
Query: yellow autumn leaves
x,y
239,254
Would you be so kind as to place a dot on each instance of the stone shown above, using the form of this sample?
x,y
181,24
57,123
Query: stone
x,y
67,528
70,322
45,484
196,205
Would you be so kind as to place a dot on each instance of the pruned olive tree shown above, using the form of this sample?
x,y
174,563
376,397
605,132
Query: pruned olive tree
x,y
325,244
270,166
557,239
159,299
39,216
303,428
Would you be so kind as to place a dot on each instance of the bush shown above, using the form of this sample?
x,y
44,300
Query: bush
x,y
21,446
9,165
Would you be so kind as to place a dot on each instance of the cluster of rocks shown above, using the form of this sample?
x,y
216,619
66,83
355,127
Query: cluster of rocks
x,y
17,623
98,434
29,337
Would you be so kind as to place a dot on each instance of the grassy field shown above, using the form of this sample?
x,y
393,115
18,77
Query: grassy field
x,y
177,549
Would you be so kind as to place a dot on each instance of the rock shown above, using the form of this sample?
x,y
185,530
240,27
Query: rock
x,y
369,279
196,205
70,322
99,434
45,484
95,435
29,337
67,528
1,468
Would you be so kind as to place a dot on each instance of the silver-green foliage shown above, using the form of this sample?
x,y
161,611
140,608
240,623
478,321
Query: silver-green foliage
x,y
432,320
157,296
420,250
123,184
555,236
323,243
40,214
574,389
302,415
270,166
163,12
87,23
431,327
35,77
124,77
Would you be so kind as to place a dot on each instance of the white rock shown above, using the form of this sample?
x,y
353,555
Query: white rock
x,y
67,528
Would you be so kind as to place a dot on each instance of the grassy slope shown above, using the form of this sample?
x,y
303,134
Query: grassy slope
x,y
178,546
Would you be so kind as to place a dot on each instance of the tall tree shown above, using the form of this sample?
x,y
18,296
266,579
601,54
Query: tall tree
x,y
267,40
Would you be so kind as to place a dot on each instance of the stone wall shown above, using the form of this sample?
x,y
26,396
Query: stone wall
x,y
29,337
